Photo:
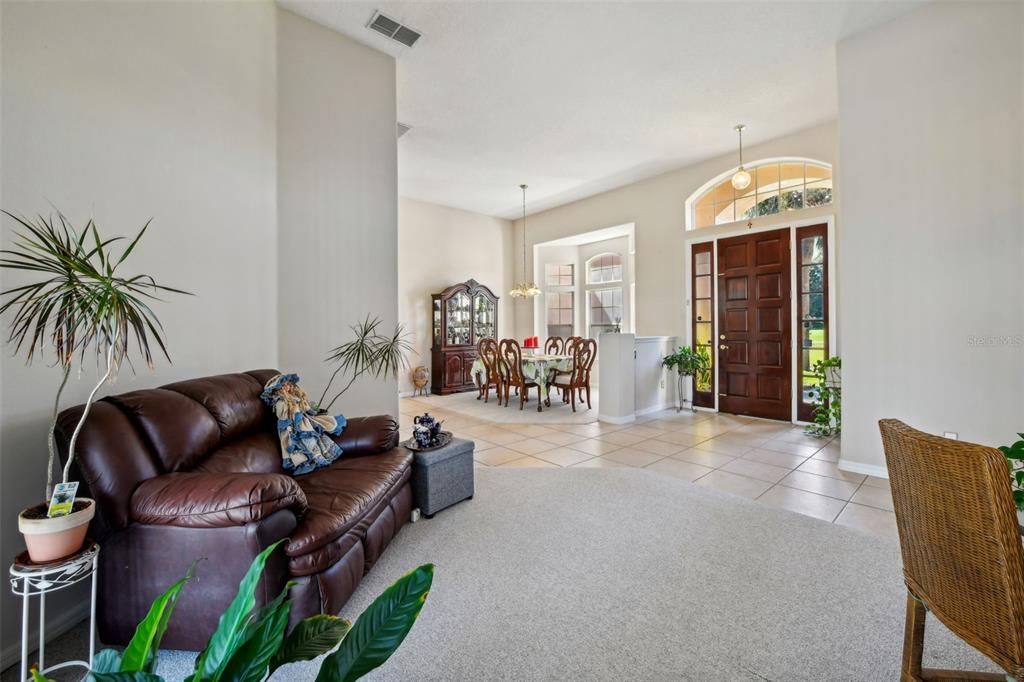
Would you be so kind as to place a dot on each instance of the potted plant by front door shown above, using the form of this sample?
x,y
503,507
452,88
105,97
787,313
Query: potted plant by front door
x,y
687,363
73,303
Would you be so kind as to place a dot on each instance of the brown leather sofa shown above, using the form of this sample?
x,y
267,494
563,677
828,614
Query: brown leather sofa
x,y
192,470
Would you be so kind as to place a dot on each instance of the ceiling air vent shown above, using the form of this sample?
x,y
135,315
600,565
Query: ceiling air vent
x,y
402,128
406,36
394,30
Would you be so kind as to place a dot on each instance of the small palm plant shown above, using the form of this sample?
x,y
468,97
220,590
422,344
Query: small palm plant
x,y
369,352
79,305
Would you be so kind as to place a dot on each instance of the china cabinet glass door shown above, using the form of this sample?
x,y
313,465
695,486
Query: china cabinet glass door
x,y
483,317
437,322
458,325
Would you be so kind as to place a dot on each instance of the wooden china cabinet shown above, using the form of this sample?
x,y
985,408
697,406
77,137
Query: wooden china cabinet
x,y
463,314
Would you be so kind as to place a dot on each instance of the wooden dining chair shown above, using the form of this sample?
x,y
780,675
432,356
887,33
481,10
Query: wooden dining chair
x,y
578,379
493,374
513,357
961,544
570,344
555,345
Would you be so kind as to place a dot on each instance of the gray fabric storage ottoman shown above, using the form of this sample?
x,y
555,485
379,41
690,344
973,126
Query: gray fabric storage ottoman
x,y
442,477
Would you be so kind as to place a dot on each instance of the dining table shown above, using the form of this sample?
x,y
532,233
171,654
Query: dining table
x,y
537,368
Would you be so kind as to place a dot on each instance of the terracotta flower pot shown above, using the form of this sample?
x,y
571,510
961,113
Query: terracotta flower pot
x,y
51,539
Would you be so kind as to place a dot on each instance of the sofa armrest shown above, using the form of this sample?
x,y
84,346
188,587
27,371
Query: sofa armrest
x,y
368,435
214,500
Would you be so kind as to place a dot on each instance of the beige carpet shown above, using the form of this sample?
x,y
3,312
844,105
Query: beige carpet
x,y
621,574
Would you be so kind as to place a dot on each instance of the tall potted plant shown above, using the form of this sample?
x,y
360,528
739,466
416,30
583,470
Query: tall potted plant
x,y
687,363
80,305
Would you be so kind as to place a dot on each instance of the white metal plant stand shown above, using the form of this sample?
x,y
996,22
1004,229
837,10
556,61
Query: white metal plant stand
x,y
31,580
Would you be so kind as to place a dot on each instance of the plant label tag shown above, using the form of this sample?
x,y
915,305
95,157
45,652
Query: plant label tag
x,y
63,499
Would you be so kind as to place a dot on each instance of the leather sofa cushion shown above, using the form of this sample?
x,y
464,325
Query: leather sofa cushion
x,y
178,429
232,399
342,495
255,453
206,500
368,435
112,460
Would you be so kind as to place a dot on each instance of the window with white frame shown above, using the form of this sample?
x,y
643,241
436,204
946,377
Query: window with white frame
x,y
605,310
558,275
776,187
605,267
560,313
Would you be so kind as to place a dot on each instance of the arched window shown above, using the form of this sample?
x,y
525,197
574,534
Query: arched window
x,y
777,186
605,267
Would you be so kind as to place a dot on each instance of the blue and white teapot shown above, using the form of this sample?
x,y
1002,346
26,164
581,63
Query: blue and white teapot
x,y
426,430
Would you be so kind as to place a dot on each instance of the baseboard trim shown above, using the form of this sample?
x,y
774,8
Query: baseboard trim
x,y
860,468
10,655
629,419
661,407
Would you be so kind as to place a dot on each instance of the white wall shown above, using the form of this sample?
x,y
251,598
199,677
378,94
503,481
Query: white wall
x,y
930,111
262,145
439,246
126,112
657,208
337,202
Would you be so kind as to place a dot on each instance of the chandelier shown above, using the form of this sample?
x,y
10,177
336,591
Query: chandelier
x,y
524,289
741,178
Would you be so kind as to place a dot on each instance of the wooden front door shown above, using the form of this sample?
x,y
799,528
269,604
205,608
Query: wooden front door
x,y
754,375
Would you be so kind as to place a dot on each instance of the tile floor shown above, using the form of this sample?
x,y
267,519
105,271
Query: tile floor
x,y
773,463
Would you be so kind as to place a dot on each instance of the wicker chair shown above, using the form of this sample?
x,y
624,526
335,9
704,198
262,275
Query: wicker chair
x,y
510,353
962,553
493,370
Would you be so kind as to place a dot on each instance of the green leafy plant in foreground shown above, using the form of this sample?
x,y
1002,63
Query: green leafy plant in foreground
x,y
1015,463
250,643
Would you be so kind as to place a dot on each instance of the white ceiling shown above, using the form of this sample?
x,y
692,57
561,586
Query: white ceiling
x,y
575,98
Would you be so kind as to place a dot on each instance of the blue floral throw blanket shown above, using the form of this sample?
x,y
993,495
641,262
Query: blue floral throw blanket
x,y
304,434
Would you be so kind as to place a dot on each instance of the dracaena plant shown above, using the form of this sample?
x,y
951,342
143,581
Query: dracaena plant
x,y
78,304
1015,463
251,643
371,351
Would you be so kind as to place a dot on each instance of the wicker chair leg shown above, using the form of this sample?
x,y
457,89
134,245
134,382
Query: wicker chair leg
x,y
913,640
913,650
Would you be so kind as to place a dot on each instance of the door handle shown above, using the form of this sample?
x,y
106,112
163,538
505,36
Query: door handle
x,y
722,346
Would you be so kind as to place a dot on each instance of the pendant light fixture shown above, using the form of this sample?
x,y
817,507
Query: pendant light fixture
x,y
524,289
741,178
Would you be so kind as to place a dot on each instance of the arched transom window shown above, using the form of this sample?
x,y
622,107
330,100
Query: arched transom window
x,y
776,186
606,267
